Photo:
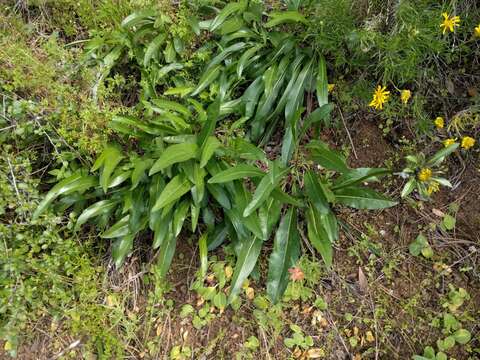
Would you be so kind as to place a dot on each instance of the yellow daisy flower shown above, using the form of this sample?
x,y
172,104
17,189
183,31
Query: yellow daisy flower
x,y
330,87
425,174
380,97
439,122
449,23
476,32
405,95
467,142
448,142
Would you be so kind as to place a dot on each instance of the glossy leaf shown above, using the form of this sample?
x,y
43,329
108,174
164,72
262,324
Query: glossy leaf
x,y
102,207
317,192
174,154
208,150
286,250
202,249
362,198
246,260
177,187
326,157
318,236
76,182
292,16
322,82
358,176
239,171
111,158
121,248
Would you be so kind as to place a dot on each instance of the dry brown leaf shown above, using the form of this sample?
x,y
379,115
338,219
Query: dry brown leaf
x,y
438,213
315,353
362,280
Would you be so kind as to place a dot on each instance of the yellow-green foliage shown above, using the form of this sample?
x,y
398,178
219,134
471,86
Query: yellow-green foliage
x,y
45,71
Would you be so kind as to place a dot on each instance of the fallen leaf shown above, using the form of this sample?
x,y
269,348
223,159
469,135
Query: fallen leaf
x,y
370,337
250,292
315,353
362,280
439,213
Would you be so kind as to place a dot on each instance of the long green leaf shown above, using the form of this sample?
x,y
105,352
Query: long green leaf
x,y
121,248
153,49
177,187
318,236
286,250
362,198
262,192
326,157
209,148
239,171
165,256
246,260
319,195
322,82
99,208
226,12
359,175
207,78
292,16
76,182
174,154
202,249
112,157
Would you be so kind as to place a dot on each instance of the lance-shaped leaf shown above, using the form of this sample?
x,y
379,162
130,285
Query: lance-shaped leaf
x,y
268,215
102,207
326,157
439,156
202,249
165,256
286,250
263,191
76,182
318,193
362,198
121,248
318,236
359,175
239,171
281,17
246,260
322,82
177,187
208,149
228,10
119,229
174,154
207,78
153,49
110,158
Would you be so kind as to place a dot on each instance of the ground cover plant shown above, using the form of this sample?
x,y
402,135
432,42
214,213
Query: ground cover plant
x,y
303,165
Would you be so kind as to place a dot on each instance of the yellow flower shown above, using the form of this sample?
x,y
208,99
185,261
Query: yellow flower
x,y
439,122
405,95
449,23
424,174
448,142
433,187
380,97
467,142
330,87
476,32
